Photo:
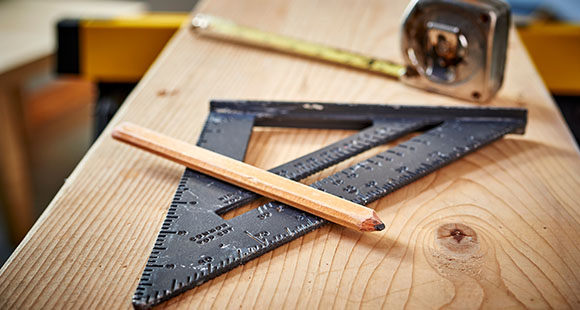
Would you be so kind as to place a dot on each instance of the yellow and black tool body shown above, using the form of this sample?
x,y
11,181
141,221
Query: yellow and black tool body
x,y
113,53
113,50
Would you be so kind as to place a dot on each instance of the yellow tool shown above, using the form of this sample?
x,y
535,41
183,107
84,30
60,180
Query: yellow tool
x,y
555,50
116,50
113,53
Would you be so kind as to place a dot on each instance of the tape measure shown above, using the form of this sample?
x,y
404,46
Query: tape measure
x,y
457,48
195,244
227,29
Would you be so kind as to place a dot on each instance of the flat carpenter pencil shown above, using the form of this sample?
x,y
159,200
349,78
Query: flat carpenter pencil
x,y
298,195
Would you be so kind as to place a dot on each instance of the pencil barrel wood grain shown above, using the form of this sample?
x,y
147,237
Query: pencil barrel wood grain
x,y
298,195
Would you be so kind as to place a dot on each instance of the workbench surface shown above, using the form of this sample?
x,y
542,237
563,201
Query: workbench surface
x,y
517,199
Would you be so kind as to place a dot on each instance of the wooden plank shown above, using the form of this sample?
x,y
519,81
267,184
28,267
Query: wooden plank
x,y
515,202
15,190
15,171
27,38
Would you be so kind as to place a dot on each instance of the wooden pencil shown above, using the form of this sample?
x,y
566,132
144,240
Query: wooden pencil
x,y
298,195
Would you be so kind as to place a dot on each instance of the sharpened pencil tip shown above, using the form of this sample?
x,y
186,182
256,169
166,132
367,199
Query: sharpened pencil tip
x,y
373,223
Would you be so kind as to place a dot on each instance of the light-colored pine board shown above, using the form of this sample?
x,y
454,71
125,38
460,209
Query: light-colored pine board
x,y
517,199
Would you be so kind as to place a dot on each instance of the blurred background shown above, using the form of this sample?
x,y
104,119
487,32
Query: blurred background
x,y
53,106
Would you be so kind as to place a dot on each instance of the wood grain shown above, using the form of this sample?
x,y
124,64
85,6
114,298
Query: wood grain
x,y
515,202
260,181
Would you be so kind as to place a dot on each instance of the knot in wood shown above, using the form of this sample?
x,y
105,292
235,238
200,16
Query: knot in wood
x,y
457,234
166,93
457,238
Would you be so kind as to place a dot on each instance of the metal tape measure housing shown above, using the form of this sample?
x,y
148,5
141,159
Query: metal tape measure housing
x,y
458,48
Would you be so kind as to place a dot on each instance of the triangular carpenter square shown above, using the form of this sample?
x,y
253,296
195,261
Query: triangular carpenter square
x,y
195,244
